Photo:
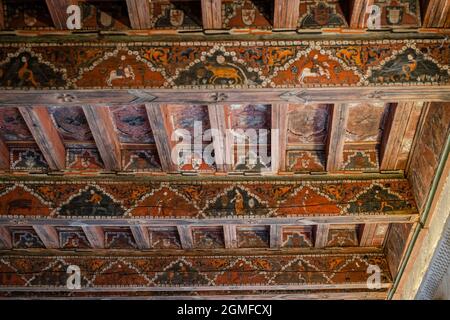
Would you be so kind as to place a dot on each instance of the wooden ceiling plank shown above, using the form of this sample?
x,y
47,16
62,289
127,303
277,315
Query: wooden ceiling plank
x,y
275,236
157,116
46,135
101,123
58,12
336,136
95,236
437,14
212,14
358,13
139,14
321,237
222,147
5,237
400,118
367,233
48,235
4,155
2,16
185,234
279,137
230,236
141,236
286,14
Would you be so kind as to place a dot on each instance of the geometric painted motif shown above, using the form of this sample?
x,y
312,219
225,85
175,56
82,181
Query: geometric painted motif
x,y
119,238
321,14
26,238
28,159
342,237
85,159
132,124
305,161
307,124
72,238
164,238
360,160
140,160
253,237
208,238
297,237
71,123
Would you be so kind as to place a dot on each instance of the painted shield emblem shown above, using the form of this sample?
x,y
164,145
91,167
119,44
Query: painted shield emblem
x,y
176,17
248,16
394,15
105,19
322,14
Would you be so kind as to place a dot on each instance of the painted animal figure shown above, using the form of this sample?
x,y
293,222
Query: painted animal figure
x,y
308,73
125,73
224,73
26,74
279,56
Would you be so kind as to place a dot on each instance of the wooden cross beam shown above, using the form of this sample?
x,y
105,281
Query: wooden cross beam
x,y
286,14
2,16
358,13
275,236
48,235
5,237
101,123
58,12
46,135
158,118
212,14
185,234
230,236
399,131
222,147
437,14
321,237
139,13
336,136
141,236
95,236
373,234
279,137
4,155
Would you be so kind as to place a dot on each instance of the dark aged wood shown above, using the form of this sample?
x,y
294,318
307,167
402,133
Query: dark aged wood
x,y
5,238
212,14
46,136
437,14
102,128
4,155
139,13
2,16
335,143
286,14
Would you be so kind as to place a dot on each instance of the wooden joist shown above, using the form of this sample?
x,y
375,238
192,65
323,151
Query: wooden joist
x,y
48,235
321,237
58,12
101,123
286,14
157,116
372,234
359,13
230,236
185,234
212,14
400,127
95,236
5,238
279,137
139,14
275,236
141,236
221,141
2,16
336,136
4,155
46,135
437,14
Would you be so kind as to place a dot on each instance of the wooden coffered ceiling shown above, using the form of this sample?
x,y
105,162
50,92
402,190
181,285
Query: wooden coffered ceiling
x,y
355,121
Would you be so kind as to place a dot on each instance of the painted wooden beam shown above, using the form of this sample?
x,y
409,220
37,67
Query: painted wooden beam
x,y
95,236
336,136
48,235
58,12
400,127
230,236
372,234
139,14
212,14
2,16
286,14
186,239
141,236
321,235
101,123
158,118
279,137
275,236
437,14
222,147
359,13
4,155
5,237
46,135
